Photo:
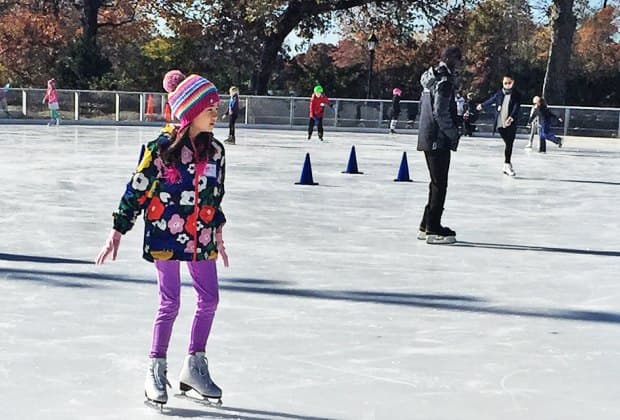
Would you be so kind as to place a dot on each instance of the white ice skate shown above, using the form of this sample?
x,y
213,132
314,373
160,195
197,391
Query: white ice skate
x,y
156,382
528,146
422,235
195,375
508,169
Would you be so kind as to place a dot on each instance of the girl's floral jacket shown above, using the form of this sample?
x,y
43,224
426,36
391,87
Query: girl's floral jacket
x,y
181,203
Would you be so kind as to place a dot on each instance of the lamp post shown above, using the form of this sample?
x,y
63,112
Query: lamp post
x,y
372,45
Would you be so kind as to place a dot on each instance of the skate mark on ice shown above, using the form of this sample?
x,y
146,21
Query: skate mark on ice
x,y
512,392
537,248
351,372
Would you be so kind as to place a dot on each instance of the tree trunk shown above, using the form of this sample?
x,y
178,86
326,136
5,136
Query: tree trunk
x,y
563,24
90,13
268,57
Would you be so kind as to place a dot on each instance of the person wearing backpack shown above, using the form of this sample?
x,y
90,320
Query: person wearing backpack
x,y
437,138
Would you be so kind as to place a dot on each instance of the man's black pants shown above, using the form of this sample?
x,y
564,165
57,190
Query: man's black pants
x,y
438,163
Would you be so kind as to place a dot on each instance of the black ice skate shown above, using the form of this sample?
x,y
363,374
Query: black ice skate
x,y
440,236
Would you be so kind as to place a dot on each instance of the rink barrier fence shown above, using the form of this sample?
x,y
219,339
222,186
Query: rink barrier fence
x,y
122,107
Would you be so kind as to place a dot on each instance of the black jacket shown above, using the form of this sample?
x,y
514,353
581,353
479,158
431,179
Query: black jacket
x,y
544,114
497,100
438,122
395,107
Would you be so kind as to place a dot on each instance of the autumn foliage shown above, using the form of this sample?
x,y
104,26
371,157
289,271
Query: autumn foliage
x,y
129,44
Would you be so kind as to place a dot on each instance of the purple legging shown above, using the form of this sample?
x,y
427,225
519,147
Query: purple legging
x,y
204,275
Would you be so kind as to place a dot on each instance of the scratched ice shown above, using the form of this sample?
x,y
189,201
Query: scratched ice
x,y
331,308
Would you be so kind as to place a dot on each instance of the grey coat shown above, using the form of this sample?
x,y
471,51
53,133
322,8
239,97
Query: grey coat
x,y
438,121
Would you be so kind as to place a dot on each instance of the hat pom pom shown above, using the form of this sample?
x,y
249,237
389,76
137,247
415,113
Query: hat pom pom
x,y
172,80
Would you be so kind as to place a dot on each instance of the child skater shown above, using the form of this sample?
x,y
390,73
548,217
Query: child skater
x,y
317,109
232,113
395,109
51,96
544,116
179,184
533,122
470,116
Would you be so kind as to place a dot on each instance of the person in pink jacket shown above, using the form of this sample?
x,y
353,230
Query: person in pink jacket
x,y
51,96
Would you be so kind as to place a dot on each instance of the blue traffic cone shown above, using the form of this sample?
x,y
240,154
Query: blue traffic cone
x,y
352,165
306,173
403,172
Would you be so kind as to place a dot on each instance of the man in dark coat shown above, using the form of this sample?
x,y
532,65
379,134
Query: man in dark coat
x,y
437,137
507,103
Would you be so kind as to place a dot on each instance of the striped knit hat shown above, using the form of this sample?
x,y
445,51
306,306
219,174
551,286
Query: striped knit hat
x,y
189,96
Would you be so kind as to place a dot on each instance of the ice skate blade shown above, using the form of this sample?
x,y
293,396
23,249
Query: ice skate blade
x,y
154,401
155,405
440,240
200,400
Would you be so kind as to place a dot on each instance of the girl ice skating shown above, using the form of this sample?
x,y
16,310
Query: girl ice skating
x,y
51,96
179,185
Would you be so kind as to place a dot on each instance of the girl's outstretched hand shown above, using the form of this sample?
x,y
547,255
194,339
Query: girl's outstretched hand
x,y
220,247
110,247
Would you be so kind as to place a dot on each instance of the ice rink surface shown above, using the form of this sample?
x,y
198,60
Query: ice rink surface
x,y
331,308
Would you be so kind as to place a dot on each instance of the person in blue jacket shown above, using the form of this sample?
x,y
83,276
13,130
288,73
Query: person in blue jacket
x,y
506,103
232,113
543,114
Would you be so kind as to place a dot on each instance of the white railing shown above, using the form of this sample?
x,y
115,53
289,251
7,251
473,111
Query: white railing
x,y
109,107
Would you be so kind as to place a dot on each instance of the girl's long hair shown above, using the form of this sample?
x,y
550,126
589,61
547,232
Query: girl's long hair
x,y
171,154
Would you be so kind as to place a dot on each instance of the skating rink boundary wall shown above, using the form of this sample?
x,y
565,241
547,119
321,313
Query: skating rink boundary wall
x,y
137,108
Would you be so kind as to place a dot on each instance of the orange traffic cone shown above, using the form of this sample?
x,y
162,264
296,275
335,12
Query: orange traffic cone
x,y
167,112
150,107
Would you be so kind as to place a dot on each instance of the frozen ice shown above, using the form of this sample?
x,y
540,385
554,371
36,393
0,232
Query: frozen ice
x,y
331,308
